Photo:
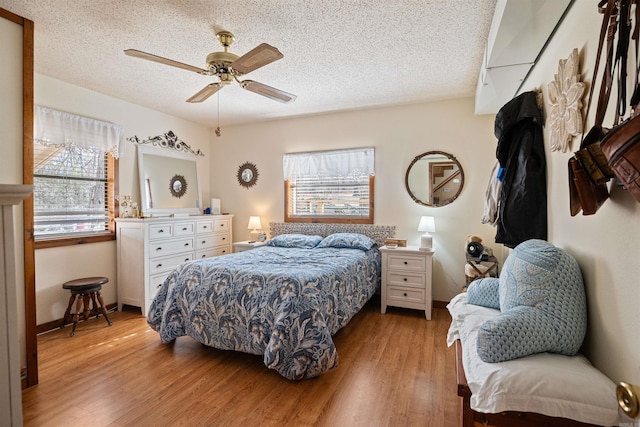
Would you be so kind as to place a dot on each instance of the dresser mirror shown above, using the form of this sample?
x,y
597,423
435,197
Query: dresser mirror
x,y
168,182
434,178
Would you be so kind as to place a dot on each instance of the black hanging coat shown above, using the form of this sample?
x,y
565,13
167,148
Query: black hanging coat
x,y
522,211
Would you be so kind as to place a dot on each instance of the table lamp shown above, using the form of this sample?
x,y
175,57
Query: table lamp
x,y
427,224
254,225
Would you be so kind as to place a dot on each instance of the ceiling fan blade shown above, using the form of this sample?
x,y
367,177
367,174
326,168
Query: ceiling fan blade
x,y
155,58
205,93
268,91
257,57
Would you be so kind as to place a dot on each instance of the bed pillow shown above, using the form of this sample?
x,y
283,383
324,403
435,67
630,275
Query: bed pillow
x,y
347,240
542,303
302,241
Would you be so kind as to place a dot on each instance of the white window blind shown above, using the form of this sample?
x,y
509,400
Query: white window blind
x,y
330,183
71,173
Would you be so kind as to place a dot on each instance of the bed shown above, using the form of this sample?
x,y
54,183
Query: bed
x,y
284,300
539,390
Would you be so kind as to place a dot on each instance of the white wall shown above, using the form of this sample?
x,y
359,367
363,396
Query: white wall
x,y
604,244
398,134
57,265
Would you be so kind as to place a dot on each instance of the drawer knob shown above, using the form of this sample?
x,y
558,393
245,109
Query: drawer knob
x,y
184,228
405,294
405,279
159,248
405,263
161,231
224,252
205,226
159,286
186,259
159,265
186,244
203,256
204,241
224,238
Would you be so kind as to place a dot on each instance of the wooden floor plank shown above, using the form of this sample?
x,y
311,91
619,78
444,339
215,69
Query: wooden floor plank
x,y
394,369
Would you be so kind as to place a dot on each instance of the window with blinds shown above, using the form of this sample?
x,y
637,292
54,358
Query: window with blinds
x,y
331,196
330,186
70,191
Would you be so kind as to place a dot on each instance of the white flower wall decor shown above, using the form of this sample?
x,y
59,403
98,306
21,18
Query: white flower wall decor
x,y
565,97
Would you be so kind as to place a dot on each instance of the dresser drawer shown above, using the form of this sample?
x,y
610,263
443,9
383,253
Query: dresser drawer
x,y
411,295
168,247
406,262
184,229
205,227
160,231
221,225
158,265
209,241
155,282
400,278
209,252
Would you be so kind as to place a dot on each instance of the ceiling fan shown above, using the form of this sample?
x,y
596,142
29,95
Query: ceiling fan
x,y
228,67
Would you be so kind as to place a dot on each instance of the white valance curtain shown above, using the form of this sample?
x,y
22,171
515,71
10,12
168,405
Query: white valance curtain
x,y
338,163
53,127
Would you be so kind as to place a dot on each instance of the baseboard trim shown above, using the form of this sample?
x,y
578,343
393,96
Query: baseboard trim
x,y
55,324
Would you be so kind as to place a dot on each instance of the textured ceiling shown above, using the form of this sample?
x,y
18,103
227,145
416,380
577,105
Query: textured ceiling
x,y
338,55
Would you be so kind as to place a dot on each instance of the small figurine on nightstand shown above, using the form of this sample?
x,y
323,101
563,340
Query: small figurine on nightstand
x,y
262,237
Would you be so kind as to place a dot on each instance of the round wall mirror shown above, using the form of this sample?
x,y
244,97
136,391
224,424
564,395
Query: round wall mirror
x,y
434,178
178,186
247,174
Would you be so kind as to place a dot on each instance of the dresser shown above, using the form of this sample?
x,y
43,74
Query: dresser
x,y
148,249
406,278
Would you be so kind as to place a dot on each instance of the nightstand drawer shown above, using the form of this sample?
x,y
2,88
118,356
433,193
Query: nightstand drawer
x,y
406,295
401,278
406,262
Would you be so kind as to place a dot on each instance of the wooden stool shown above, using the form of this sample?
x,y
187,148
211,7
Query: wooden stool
x,y
84,290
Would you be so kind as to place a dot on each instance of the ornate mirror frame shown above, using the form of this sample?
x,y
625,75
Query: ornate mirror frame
x,y
434,179
247,174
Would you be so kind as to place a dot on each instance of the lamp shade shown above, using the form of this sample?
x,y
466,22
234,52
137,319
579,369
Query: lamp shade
x,y
427,223
254,223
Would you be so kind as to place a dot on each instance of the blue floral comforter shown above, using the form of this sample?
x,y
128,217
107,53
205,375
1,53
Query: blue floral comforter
x,y
284,303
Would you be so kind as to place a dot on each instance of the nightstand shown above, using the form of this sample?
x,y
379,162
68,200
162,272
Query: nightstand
x,y
246,245
406,278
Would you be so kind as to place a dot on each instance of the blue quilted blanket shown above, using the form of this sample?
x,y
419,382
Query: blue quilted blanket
x,y
284,303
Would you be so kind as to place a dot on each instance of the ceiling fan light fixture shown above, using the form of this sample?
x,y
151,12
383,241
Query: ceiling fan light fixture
x,y
268,91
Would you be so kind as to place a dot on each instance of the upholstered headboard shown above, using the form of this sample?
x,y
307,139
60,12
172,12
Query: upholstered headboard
x,y
379,233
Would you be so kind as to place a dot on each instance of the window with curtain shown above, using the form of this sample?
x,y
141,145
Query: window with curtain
x,y
329,186
74,175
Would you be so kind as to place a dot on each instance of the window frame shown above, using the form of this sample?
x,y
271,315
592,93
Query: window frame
x,y
289,217
112,190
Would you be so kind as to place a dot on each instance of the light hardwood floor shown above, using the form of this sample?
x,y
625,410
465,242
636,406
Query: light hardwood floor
x,y
394,370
